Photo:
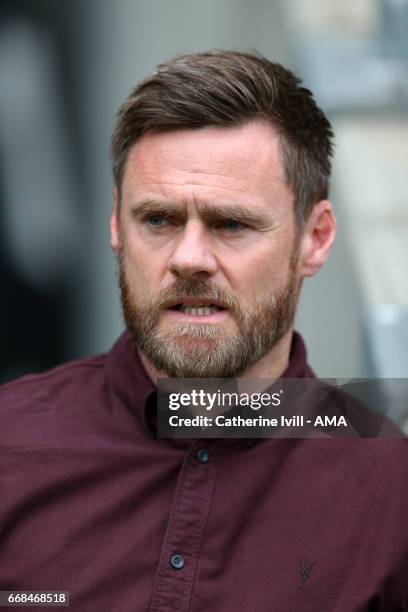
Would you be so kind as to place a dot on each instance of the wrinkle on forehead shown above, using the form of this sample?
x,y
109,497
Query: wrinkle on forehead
x,y
239,162
189,148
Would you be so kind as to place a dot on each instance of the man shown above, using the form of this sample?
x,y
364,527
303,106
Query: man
x,y
221,164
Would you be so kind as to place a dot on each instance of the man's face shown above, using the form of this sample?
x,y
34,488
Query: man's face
x,y
207,252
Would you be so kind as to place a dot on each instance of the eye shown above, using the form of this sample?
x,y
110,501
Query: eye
x,y
156,221
232,226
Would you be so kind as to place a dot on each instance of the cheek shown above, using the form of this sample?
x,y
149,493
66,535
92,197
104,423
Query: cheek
x,y
261,274
143,270
137,271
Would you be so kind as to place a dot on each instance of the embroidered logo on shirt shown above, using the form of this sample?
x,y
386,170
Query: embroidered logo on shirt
x,y
305,569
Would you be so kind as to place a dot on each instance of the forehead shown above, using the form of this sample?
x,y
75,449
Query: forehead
x,y
231,162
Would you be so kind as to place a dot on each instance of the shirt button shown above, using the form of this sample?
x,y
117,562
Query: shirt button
x,y
202,455
177,561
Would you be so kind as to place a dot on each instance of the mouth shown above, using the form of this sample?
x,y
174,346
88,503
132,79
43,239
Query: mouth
x,y
196,309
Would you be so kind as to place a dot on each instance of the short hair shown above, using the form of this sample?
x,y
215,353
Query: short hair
x,y
228,89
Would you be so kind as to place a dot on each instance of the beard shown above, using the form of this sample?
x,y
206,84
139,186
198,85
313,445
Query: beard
x,y
199,350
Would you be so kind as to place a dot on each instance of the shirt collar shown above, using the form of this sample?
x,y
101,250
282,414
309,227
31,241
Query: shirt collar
x,y
127,378
298,366
130,384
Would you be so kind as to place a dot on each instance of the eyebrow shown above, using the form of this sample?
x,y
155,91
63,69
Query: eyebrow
x,y
138,209
210,214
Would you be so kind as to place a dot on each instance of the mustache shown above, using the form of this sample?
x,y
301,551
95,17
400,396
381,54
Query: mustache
x,y
185,289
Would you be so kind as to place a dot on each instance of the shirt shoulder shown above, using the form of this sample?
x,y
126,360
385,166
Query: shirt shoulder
x,y
30,403
39,383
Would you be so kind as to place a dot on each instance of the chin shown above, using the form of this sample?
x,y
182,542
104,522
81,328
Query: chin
x,y
196,331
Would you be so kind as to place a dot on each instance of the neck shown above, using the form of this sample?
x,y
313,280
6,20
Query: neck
x,y
271,365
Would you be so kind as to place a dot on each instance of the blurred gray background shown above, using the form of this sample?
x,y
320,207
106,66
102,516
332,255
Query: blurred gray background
x,y
64,69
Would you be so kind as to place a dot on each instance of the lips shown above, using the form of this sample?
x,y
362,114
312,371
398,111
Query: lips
x,y
196,307
183,303
199,310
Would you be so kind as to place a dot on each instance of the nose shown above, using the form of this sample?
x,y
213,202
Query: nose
x,y
193,255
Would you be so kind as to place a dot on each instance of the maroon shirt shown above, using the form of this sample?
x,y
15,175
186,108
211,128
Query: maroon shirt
x,y
93,504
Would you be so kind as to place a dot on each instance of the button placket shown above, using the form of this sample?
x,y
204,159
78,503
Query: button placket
x,y
185,531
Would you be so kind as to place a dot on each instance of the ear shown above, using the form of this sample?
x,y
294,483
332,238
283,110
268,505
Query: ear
x,y
114,225
317,239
